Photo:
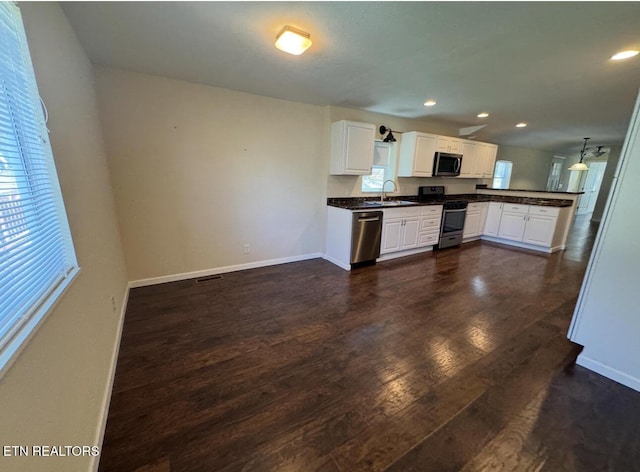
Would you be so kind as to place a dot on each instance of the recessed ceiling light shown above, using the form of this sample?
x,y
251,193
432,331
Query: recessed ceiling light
x,y
293,40
429,103
624,55
483,115
521,125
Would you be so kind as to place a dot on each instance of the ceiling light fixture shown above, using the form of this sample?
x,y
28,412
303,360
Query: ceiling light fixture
x,y
293,40
624,55
581,165
483,115
390,138
521,125
429,103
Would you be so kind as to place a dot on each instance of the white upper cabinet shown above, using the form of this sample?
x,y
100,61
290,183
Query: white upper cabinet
x,y
471,161
352,148
447,144
478,159
488,158
417,151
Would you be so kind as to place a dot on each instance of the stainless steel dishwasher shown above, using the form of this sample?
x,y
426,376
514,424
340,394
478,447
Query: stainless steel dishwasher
x,y
365,236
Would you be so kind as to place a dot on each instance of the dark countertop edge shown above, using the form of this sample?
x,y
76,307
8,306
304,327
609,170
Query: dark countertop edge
x,y
525,190
357,203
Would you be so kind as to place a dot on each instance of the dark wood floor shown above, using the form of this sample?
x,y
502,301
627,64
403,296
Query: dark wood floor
x,y
453,360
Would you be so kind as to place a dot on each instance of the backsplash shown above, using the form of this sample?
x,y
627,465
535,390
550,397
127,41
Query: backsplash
x,y
350,186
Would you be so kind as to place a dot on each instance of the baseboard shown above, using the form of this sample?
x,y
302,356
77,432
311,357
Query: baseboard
x,y
408,252
102,425
521,245
337,262
608,372
221,270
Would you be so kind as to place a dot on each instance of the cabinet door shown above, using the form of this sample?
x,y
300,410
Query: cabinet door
x,y
359,148
351,148
411,230
512,226
489,160
447,144
468,159
482,152
471,224
423,159
442,144
391,234
455,145
416,154
494,214
539,230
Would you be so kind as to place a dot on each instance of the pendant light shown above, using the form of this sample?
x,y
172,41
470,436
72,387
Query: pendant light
x,y
581,166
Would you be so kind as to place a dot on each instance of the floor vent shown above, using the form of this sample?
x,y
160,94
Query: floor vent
x,y
208,278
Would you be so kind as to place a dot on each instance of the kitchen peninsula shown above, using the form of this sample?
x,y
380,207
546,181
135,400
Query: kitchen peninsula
x,y
527,219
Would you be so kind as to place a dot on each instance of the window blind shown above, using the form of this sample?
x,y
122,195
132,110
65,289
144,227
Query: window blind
x,y
37,259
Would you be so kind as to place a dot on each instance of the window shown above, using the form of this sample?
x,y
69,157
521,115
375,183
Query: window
x,y
502,174
37,260
383,169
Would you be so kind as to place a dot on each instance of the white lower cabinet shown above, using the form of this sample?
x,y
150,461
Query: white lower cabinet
x,y
475,220
410,228
527,224
513,221
494,214
541,225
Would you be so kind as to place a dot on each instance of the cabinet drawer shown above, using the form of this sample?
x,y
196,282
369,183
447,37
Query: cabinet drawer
x,y
474,206
404,212
432,210
544,210
515,208
428,239
428,224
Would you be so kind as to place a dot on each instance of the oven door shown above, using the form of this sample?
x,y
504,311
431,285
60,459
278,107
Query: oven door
x,y
453,221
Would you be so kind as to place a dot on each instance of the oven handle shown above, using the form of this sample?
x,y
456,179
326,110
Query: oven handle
x,y
456,211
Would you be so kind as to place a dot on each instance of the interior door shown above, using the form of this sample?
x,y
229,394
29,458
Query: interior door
x,y
591,187
553,182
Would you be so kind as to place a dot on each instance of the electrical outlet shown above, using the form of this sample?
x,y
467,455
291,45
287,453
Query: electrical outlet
x,y
246,249
113,303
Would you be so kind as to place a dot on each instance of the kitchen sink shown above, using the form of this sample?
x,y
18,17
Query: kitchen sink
x,y
390,203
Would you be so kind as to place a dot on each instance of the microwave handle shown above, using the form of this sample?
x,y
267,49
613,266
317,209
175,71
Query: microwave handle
x,y
458,164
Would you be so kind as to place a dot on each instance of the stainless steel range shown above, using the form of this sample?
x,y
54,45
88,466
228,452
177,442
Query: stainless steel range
x,y
453,215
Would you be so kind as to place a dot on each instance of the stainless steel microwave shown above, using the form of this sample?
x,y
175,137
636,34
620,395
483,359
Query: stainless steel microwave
x,y
446,164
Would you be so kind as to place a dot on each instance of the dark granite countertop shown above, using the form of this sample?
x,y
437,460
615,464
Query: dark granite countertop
x,y
359,203
527,190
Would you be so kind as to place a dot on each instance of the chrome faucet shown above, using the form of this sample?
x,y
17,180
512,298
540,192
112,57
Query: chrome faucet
x,y
382,196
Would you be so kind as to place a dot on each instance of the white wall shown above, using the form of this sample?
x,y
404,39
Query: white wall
x,y
55,391
530,167
606,320
200,171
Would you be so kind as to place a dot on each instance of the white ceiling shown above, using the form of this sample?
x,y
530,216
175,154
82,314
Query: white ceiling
x,y
546,63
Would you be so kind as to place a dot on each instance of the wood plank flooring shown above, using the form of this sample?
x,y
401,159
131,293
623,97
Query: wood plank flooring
x,y
446,361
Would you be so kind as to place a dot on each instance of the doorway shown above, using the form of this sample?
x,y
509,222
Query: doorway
x,y
555,174
591,187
